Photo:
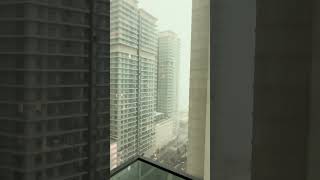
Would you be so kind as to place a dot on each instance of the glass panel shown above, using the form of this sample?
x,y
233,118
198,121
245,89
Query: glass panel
x,y
143,171
150,66
150,72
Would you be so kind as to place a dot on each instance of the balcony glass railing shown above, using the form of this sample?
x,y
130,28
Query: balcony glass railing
x,y
143,169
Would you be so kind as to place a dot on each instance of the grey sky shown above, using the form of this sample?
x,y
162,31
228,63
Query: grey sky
x,y
175,15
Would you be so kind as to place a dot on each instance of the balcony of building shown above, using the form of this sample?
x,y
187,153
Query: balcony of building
x,y
141,168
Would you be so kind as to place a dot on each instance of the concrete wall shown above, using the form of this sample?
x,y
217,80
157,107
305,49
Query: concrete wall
x,y
282,65
314,99
198,86
207,136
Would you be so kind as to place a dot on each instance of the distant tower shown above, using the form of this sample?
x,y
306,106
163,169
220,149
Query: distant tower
x,y
168,73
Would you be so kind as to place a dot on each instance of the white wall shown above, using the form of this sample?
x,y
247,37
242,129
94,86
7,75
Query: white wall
x,y
164,133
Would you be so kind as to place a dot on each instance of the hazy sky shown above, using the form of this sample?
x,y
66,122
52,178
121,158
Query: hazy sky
x,y
175,15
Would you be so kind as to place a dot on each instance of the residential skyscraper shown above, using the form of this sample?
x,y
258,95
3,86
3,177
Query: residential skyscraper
x,y
168,71
133,78
54,105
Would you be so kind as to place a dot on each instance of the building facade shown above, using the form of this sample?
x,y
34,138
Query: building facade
x,y
53,90
168,72
133,78
164,134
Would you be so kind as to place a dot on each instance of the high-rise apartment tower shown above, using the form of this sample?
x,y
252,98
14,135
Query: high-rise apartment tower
x,y
168,72
133,78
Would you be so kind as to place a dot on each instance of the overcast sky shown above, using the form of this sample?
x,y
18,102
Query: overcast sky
x,y
175,15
